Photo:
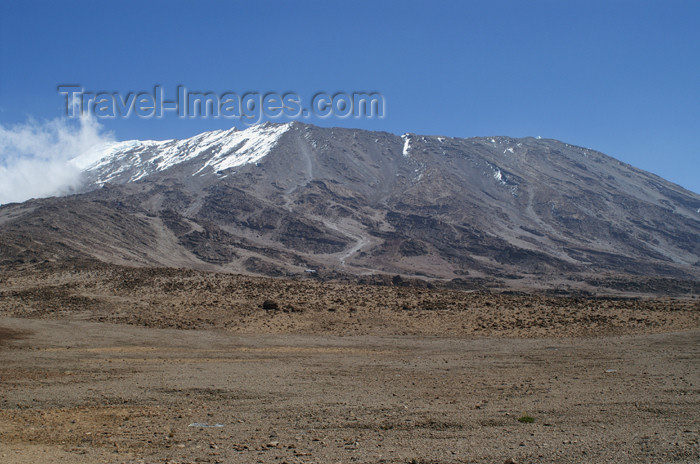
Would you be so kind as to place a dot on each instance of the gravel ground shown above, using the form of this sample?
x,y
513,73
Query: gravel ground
x,y
78,391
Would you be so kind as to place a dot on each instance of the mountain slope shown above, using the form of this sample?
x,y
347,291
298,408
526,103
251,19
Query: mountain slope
x,y
281,199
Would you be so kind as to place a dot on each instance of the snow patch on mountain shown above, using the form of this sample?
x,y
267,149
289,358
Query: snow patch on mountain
x,y
499,176
406,143
246,147
220,150
108,150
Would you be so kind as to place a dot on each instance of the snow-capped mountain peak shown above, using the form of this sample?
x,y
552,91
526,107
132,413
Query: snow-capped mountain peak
x,y
217,151
356,201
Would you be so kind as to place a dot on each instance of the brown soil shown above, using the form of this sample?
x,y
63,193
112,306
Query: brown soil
x,y
95,367
8,334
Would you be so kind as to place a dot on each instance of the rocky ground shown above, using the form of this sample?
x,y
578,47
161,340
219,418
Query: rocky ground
x,y
185,299
121,365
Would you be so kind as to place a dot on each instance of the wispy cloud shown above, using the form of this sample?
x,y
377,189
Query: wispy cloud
x,y
34,156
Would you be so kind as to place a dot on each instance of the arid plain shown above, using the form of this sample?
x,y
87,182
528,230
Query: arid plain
x,y
121,365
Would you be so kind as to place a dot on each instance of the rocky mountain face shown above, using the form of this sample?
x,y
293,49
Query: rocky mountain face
x,y
295,199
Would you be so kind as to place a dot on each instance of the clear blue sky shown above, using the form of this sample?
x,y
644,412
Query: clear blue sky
x,y
622,77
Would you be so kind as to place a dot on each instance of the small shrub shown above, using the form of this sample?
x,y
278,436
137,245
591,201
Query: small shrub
x,y
526,419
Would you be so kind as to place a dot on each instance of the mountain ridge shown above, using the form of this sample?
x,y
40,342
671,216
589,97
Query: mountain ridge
x,y
281,199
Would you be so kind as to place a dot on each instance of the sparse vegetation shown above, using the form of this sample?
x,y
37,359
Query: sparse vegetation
x,y
186,299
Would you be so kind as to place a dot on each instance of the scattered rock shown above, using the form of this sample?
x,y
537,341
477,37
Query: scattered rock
x,y
269,305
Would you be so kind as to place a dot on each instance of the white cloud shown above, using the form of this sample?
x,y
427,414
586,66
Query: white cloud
x,y
34,156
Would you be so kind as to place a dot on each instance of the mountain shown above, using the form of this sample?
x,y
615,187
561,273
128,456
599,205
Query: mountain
x,y
295,199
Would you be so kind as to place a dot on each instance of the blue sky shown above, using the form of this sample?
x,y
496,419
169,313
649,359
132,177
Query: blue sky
x,y
622,77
